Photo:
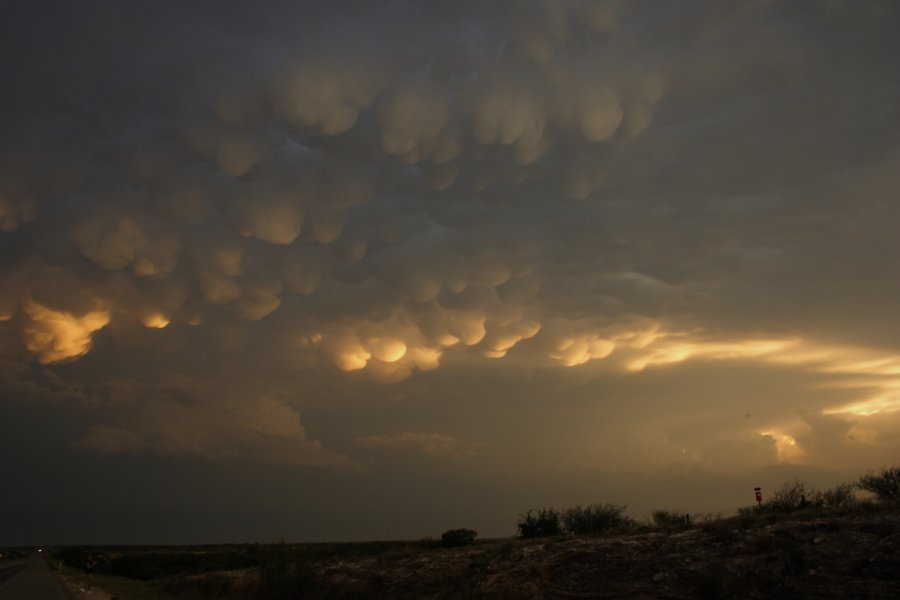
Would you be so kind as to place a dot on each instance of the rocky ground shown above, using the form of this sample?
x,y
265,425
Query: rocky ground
x,y
812,553
853,556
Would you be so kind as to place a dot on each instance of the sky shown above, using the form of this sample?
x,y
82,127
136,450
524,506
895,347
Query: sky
x,y
351,270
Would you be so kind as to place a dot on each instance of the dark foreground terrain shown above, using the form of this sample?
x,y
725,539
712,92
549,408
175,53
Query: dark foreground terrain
x,y
807,554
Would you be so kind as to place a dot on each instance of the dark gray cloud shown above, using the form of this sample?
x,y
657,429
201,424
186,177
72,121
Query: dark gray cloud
x,y
369,241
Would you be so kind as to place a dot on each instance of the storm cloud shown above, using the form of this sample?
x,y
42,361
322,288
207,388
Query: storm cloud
x,y
327,237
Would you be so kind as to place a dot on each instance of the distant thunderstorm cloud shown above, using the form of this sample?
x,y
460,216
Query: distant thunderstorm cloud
x,y
212,217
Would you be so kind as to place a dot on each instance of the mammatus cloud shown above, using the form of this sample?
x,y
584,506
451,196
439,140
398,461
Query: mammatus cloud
x,y
333,198
430,444
325,96
124,242
55,336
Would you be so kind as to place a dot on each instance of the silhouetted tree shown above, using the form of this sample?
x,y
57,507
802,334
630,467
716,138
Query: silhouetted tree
x,y
594,518
458,537
542,524
885,485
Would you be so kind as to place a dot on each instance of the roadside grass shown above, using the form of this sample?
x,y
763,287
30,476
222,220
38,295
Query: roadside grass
x,y
159,562
13,553
115,586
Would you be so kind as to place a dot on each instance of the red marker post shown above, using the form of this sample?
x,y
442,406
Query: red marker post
x,y
758,497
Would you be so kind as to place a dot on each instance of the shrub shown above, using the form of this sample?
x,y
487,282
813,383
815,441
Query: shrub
x,y
885,485
167,563
281,574
839,496
747,517
458,537
544,523
793,495
672,519
721,530
594,518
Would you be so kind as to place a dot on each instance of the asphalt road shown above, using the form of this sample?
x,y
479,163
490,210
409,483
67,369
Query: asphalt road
x,y
30,579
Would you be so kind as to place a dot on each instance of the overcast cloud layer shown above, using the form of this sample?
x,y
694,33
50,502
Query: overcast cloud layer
x,y
342,270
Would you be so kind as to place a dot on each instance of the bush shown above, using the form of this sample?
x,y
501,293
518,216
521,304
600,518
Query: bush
x,y
885,485
747,517
721,530
793,495
672,519
544,523
458,537
839,496
594,518
159,565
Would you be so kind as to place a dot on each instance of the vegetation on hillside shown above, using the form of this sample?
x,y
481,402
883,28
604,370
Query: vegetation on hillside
x,y
457,564
885,485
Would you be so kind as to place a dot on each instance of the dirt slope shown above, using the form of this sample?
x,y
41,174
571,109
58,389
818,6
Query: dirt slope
x,y
847,557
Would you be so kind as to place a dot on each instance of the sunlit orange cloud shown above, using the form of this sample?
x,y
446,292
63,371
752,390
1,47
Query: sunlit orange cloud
x,y
669,351
400,346
386,349
352,359
391,350
392,355
577,350
789,451
500,342
871,374
155,320
885,400
866,369
875,372
55,335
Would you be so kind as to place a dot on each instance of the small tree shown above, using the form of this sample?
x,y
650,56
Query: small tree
x,y
672,519
793,495
594,518
544,523
458,537
885,485
839,496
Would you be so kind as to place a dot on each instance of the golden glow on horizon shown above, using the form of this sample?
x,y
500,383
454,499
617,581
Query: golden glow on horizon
x,y
55,336
666,352
865,369
886,403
